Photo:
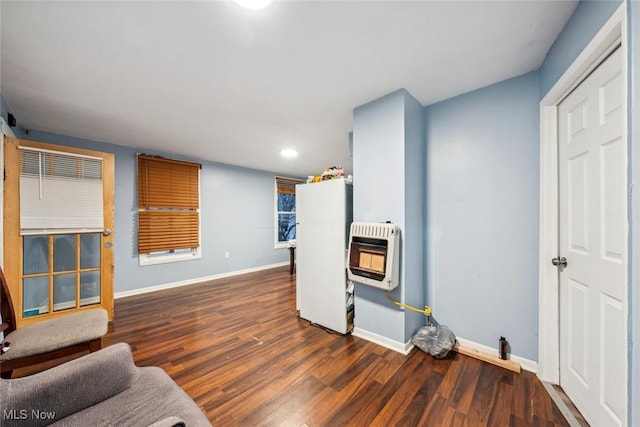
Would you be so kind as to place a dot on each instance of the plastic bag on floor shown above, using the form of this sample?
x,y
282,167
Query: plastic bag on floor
x,y
435,340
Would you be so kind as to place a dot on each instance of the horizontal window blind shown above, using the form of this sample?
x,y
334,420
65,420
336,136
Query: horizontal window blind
x,y
165,183
287,185
162,230
60,192
168,204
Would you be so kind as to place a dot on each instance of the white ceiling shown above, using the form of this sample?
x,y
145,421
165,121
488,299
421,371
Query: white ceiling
x,y
209,80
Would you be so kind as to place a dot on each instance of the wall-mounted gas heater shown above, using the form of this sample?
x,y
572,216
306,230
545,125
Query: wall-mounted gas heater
x,y
374,254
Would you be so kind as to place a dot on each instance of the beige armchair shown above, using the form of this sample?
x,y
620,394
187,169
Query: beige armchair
x,y
48,339
104,388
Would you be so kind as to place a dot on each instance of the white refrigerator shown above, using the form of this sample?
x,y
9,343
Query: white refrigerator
x,y
324,212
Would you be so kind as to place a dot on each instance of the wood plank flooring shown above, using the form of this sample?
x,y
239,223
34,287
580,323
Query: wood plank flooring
x,y
237,347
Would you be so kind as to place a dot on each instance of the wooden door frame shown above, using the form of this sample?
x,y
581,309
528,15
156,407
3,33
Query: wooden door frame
x,y
612,34
11,225
5,132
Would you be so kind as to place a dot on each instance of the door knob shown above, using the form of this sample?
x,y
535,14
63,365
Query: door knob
x,y
561,263
106,232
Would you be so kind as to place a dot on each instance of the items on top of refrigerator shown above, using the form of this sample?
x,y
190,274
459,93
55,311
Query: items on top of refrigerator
x,y
334,172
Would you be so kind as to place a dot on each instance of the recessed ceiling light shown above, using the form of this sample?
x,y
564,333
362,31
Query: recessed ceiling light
x,y
288,152
254,4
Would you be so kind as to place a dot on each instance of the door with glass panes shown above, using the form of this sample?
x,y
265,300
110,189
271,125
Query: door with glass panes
x,y
58,229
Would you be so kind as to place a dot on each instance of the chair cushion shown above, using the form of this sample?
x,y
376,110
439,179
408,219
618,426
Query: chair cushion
x,y
152,397
56,333
67,389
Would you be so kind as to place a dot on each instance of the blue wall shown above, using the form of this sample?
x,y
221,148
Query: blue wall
x,y
583,25
388,152
378,195
414,243
236,214
482,167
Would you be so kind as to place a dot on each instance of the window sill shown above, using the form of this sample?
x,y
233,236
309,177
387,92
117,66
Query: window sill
x,y
284,245
145,260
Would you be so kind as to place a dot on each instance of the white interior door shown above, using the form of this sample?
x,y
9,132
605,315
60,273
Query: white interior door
x,y
593,238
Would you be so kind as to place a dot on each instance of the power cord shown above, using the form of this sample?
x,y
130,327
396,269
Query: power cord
x,y
426,311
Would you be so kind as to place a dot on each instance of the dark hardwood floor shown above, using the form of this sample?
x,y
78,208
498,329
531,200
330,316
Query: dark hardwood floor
x,y
237,347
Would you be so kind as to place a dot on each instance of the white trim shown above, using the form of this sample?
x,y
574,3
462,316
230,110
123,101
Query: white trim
x,y
196,280
146,259
277,244
39,231
564,409
548,321
610,35
6,129
62,153
403,348
527,364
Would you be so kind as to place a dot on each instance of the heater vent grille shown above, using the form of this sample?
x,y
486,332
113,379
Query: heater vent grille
x,y
373,230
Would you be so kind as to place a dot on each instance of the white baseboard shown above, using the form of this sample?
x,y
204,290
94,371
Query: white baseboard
x,y
527,364
562,406
403,348
196,280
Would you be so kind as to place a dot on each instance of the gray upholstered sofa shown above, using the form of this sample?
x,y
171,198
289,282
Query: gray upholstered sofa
x,y
104,388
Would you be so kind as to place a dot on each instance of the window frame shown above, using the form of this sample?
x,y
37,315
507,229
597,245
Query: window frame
x,y
276,243
165,257
148,259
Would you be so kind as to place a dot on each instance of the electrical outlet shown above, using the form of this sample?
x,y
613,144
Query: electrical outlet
x,y
226,255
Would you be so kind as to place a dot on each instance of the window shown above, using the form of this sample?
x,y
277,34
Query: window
x,y
168,210
285,215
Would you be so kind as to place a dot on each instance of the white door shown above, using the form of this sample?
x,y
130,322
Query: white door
x,y
593,238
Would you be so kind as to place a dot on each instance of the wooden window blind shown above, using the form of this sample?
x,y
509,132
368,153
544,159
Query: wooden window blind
x,y
168,204
287,185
